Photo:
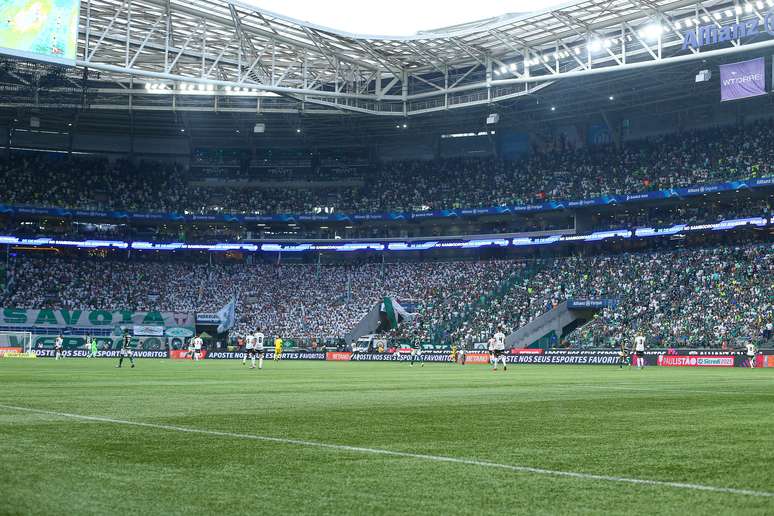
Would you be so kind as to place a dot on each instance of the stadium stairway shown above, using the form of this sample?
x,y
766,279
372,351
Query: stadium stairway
x,y
516,280
560,321
367,325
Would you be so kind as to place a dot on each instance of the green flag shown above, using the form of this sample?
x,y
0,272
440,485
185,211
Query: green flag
x,y
395,312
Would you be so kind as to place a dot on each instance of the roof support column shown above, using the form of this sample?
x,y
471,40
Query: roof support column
x,y
404,91
488,78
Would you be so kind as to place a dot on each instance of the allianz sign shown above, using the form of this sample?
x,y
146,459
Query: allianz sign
x,y
713,34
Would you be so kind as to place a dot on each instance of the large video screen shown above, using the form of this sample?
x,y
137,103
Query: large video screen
x,y
47,29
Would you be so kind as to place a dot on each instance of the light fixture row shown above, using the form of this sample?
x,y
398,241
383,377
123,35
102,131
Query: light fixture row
x,y
649,33
197,88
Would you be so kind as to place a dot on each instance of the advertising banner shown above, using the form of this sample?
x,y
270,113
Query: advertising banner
x,y
226,317
696,361
597,358
3,351
207,318
338,356
549,357
110,353
184,354
580,304
269,355
714,33
743,80
476,358
179,332
148,331
104,343
398,357
382,357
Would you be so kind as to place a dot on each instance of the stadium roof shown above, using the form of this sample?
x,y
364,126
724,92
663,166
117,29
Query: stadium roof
x,y
363,20
214,55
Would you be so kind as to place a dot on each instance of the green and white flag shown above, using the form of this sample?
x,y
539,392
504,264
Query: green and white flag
x,y
395,312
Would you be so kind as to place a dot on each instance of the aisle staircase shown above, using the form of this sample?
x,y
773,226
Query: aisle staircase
x,y
549,329
516,280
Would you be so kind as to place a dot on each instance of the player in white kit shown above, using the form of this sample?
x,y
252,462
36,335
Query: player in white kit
x,y
249,349
253,347
639,350
751,351
58,347
498,349
197,347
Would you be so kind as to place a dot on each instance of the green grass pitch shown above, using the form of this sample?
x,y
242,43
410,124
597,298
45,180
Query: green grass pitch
x,y
708,427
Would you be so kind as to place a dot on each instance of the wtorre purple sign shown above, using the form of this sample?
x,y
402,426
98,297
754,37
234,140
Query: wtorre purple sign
x,y
742,80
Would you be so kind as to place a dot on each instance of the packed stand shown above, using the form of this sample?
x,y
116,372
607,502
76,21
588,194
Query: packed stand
x,y
690,158
671,161
299,301
686,297
682,298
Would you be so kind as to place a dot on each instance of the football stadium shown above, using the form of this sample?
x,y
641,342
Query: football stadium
x,y
495,257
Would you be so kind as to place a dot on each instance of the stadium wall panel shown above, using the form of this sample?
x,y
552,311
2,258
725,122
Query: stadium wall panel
x,y
108,143
29,138
152,146
472,147
660,124
400,151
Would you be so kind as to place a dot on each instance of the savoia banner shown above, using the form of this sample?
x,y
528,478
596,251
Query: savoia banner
x,y
21,319
742,80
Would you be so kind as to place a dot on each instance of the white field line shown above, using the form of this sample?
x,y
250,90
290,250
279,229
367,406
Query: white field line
x,y
392,453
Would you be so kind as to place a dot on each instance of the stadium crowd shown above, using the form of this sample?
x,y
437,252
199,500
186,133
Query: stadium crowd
x,y
299,301
705,298
689,158
684,297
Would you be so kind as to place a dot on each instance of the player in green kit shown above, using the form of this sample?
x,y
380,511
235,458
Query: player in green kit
x,y
126,349
91,342
625,358
416,354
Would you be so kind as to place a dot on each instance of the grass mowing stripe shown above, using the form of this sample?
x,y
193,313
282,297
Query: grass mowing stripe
x,y
672,390
379,451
